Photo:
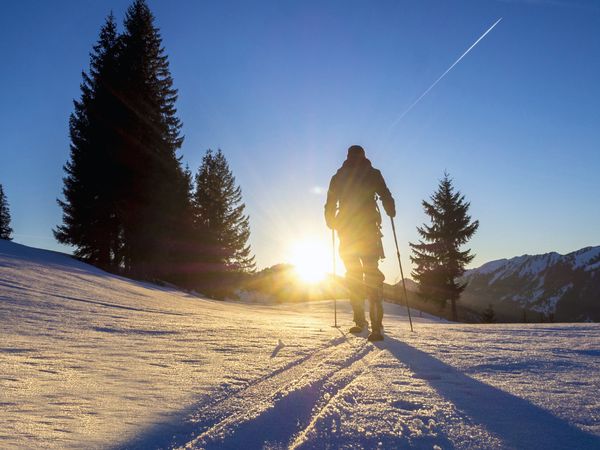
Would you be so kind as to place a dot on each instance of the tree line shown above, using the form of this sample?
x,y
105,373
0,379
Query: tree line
x,y
128,204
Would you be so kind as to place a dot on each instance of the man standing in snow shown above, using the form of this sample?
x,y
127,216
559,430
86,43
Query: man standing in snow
x,y
352,210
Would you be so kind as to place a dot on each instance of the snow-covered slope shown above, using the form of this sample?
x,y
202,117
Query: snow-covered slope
x,y
566,286
92,360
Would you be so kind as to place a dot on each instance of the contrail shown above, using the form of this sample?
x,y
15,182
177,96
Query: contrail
x,y
444,74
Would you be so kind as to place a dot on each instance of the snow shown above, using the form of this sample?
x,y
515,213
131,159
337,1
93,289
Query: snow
x,y
591,267
585,257
548,305
522,266
89,359
538,264
532,272
540,300
489,267
531,265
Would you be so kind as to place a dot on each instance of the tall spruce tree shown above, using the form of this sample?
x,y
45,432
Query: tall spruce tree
x,y
126,197
89,220
184,248
438,258
5,229
222,227
153,188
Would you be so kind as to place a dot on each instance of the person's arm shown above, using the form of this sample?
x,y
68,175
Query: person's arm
x,y
385,195
331,204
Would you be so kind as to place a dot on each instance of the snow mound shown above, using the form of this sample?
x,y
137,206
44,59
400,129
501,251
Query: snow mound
x,y
93,360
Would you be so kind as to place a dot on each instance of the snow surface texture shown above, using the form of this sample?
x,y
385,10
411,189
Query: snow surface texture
x,y
92,360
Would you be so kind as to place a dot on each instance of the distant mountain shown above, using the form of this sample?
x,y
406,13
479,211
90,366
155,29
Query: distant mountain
x,y
562,287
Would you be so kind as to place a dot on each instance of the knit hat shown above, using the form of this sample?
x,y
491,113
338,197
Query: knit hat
x,y
356,151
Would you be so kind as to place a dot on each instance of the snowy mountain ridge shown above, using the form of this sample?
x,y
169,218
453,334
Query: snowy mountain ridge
x,y
566,286
587,258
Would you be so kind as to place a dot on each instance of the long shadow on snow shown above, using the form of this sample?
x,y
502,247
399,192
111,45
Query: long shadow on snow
x,y
518,422
275,426
178,430
291,412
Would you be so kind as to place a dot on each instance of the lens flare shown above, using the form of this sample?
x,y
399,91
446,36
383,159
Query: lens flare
x,y
311,260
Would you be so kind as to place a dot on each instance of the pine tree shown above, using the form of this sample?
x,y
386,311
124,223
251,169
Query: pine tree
x,y
438,258
222,227
153,188
5,229
89,222
184,248
126,197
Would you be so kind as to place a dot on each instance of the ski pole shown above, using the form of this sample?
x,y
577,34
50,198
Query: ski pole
x,y
334,279
401,273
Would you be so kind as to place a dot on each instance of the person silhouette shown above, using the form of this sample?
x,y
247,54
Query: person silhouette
x,y
351,209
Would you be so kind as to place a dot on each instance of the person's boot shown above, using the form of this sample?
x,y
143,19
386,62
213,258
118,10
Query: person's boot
x,y
376,312
375,336
359,327
358,311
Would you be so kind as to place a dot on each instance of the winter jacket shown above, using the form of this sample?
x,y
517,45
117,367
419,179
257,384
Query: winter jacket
x,y
351,206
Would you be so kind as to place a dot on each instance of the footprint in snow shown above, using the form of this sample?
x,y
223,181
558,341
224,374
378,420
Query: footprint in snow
x,y
406,405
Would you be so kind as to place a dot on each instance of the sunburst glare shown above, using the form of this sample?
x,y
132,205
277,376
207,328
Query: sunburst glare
x,y
311,260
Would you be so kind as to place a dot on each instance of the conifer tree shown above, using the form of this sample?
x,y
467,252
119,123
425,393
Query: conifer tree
x,y
5,229
154,189
89,222
222,227
184,247
126,197
437,256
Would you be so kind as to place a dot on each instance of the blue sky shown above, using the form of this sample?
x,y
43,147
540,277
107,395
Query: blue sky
x,y
284,87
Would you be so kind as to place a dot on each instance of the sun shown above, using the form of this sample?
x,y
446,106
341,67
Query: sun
x,y
311,260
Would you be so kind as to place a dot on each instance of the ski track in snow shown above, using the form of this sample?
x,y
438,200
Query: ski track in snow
x,y
91,360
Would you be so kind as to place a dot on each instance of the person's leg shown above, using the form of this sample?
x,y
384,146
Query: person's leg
x,y
354,284
374,285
